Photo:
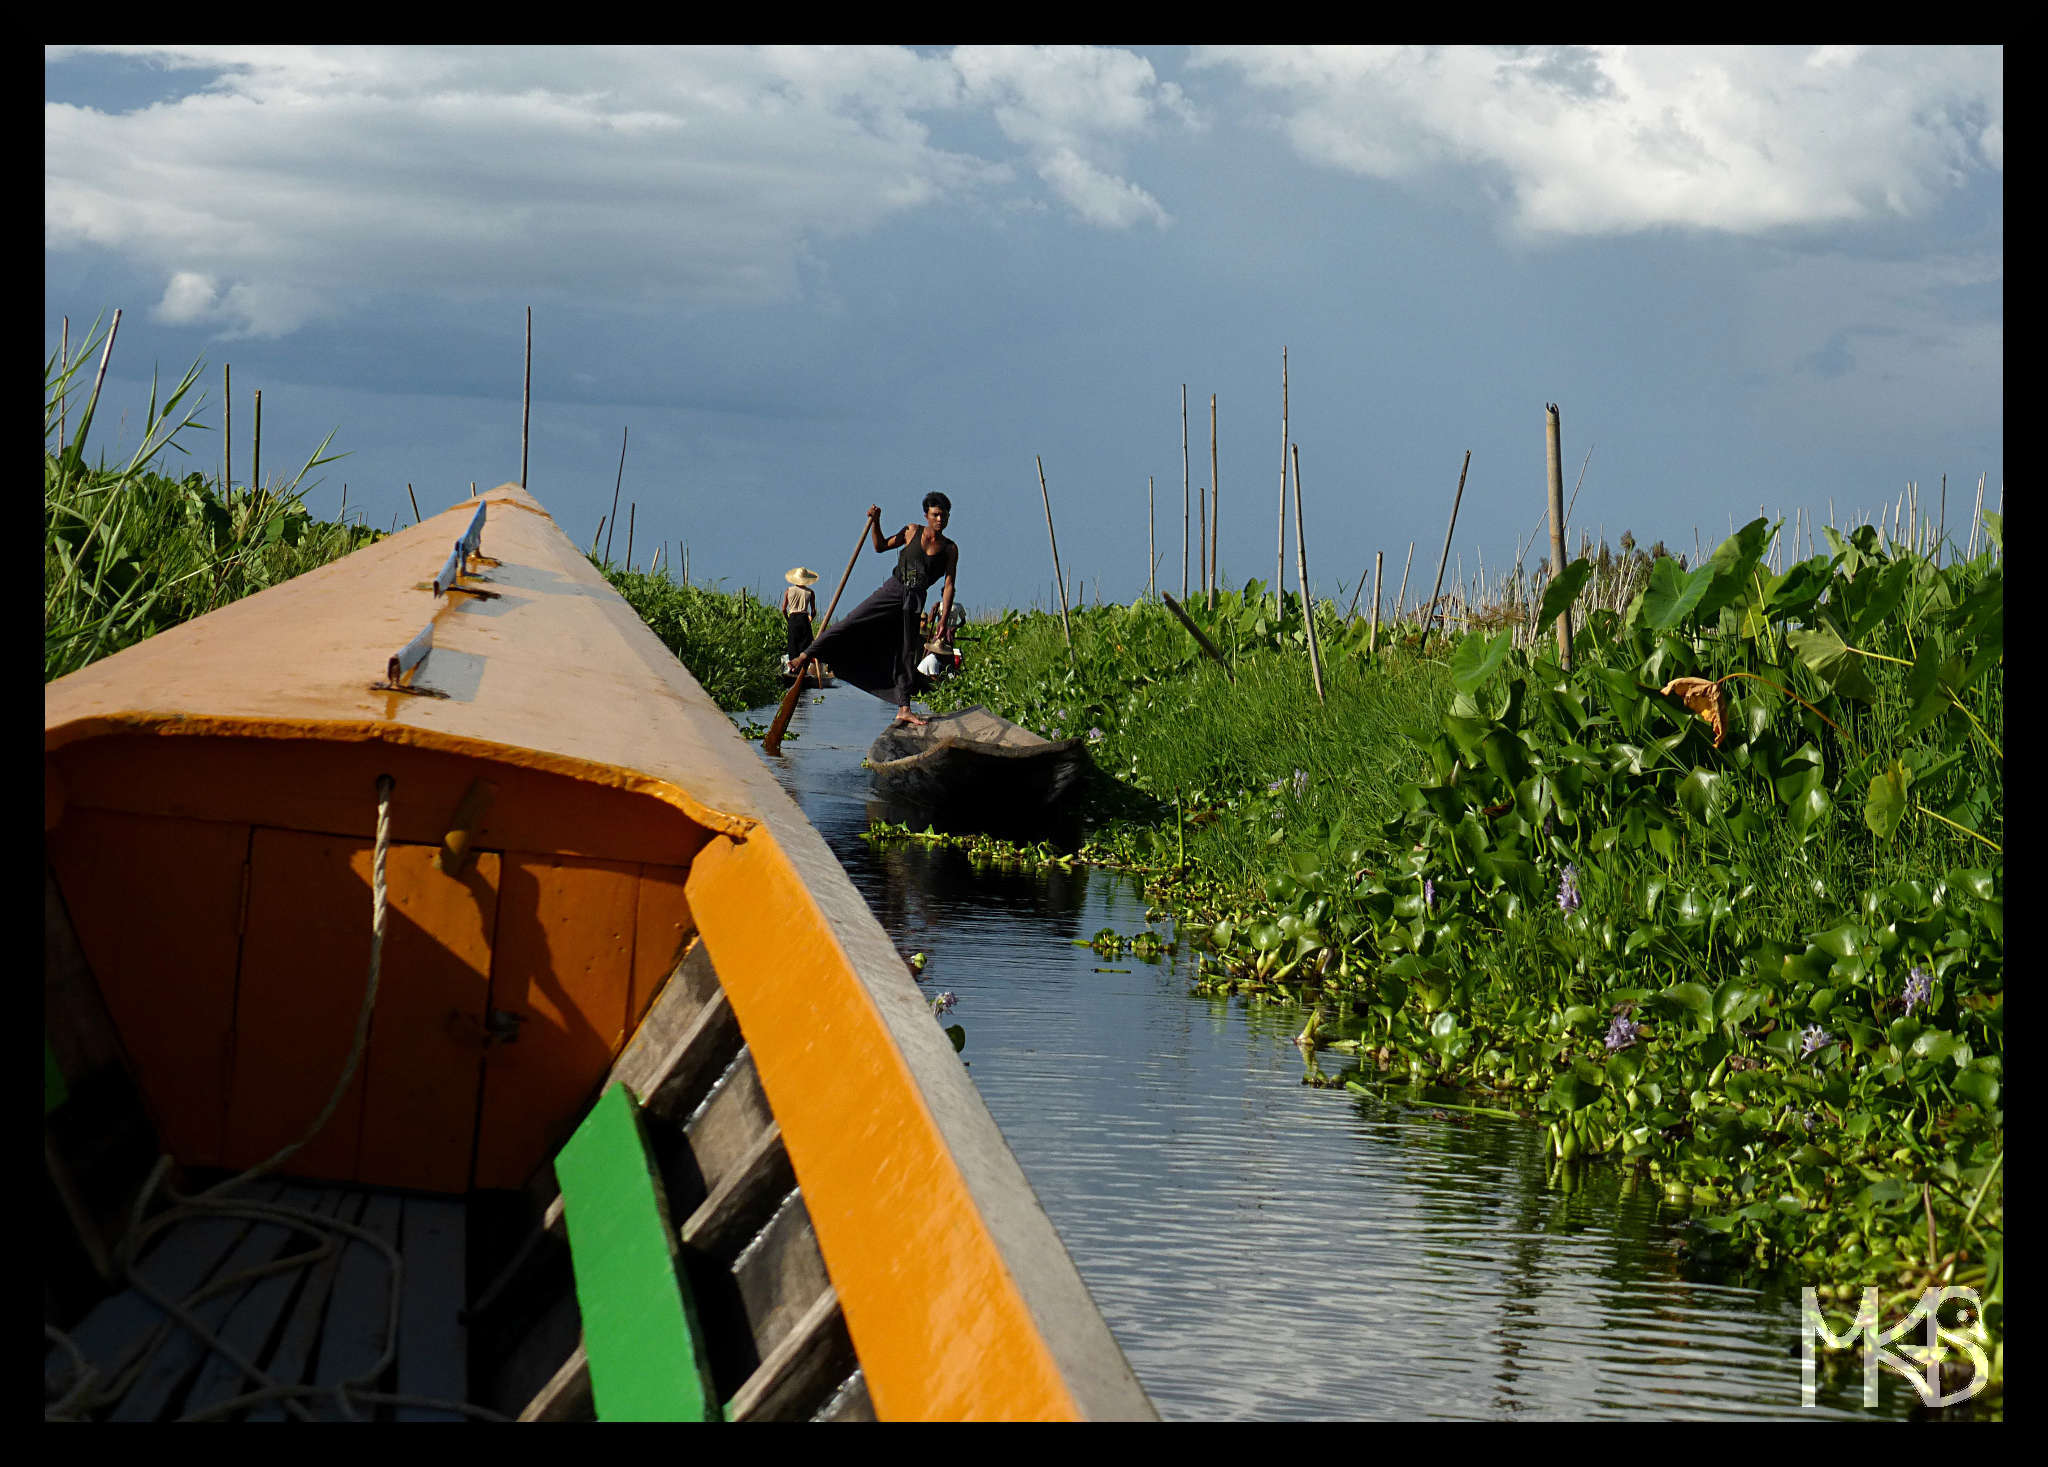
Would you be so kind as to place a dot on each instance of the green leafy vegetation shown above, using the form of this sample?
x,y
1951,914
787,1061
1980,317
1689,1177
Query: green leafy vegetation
x,y
731,643
1720,903
129,550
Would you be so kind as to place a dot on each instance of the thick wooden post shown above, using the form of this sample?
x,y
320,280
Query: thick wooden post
x,y
1554,459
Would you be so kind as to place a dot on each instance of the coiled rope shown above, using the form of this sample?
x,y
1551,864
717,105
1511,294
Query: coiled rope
x,y
81,1398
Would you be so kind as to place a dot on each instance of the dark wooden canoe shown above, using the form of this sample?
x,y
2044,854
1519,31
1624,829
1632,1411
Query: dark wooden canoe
x,y
974,760
644,1098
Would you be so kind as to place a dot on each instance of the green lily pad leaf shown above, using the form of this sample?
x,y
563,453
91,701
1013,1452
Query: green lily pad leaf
x,y
1672,594
1693,998
1977,881
1978,1086
1810,812
1477,658
1937,1045
1561,592
1888,803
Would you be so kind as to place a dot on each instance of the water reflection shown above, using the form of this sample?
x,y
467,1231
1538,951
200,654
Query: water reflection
x,y
1266,1250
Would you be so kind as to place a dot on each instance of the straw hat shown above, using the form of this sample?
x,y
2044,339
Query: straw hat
x,y
801,577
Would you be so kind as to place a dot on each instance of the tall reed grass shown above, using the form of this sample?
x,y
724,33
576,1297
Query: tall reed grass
x,y
129,550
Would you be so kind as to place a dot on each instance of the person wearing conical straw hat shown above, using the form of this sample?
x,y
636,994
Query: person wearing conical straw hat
x,y
799,605
877,646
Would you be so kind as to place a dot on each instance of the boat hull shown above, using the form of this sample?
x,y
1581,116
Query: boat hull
x,y
974,762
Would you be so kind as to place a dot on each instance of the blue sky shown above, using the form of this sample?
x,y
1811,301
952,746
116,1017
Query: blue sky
x,y
811,279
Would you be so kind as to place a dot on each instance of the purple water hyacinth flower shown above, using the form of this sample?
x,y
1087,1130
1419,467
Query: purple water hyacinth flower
x,y
1813,1038
1300,781
1096,735
1275,787
1568,890
1428,893
1919,989
1623,1033
943,1002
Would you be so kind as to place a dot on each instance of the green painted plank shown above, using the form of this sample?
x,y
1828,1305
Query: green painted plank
x,y
648,1360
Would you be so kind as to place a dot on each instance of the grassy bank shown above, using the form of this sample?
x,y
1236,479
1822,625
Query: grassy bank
x,y
1743,934
731,643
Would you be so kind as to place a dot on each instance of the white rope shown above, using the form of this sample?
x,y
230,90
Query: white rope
x,y
80,1398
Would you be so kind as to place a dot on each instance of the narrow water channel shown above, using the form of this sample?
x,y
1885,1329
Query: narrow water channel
x,y
1265,1250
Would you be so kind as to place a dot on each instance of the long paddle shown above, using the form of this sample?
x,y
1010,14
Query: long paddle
x,y
773,743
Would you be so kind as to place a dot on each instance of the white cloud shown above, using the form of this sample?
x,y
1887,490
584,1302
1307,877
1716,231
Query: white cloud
x,y
1068,106
1610,140
299,177
189,297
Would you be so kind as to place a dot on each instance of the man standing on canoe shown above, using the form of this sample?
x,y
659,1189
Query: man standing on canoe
x,y
877,646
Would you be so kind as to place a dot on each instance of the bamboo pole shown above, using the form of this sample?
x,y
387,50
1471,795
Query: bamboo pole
x,y
1941,529
526,409
620,481
596,536
772,743
415,503
1151,522
64,393
256,456
1196,632
1401,599
1046,495
227,436
1372,644
1429,618
1215,505
1977,515
1280,547
1184,506
1351,610
632,512
1308,606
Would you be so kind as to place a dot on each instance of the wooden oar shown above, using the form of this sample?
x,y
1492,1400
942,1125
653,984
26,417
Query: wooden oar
x,y
773,743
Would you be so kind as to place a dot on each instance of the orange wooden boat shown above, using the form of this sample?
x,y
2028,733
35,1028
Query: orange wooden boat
x,y
592,888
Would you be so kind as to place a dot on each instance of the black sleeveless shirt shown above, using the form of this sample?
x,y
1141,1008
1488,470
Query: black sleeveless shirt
x,y
917,570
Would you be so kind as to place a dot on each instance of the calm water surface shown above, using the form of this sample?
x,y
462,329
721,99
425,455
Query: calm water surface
x,y
1267,1250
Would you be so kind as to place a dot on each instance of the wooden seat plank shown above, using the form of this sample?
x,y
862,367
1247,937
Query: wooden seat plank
x,y
744,1197
183,1353
432,1342
291,1362
359,1314
255,1317
781,1274
799,1373
119,1327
